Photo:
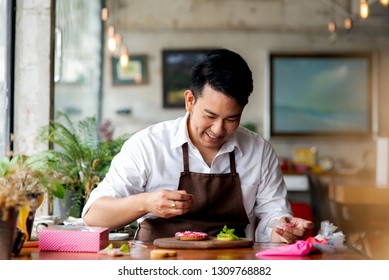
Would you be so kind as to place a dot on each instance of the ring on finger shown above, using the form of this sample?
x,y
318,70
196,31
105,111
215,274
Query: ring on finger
x,y
173,205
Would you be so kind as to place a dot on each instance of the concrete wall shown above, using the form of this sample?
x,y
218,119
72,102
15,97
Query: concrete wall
x,y
252,28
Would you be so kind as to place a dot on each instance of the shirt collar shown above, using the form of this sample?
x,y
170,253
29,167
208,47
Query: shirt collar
x,y
181,136
231,145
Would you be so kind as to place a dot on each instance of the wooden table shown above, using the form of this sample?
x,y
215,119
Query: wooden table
x,y
141,251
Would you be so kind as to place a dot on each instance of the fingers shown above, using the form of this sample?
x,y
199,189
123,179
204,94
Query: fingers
x,y
299,222
177,204
168,203
293,228
308,225
288,235
173,208
173,205
180,195
181,199
290,230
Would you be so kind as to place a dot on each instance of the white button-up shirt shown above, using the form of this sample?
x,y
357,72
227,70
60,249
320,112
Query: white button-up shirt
x,y
152,160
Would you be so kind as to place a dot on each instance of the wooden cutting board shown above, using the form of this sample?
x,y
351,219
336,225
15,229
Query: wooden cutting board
x,y
211,243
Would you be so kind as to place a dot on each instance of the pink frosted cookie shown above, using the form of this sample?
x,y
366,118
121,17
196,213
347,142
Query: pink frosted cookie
x,y
191,235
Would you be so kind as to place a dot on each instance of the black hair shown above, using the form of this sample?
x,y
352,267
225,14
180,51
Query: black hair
x,y
225,71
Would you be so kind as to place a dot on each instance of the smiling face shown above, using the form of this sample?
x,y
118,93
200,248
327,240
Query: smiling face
x,y
213,118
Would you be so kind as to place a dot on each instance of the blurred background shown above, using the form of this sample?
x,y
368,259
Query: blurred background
x,y
118,60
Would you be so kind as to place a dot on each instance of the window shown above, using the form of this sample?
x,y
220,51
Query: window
x,y
7,16
78,58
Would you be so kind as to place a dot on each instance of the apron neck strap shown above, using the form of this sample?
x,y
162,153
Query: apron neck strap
x,y
186,156
232,162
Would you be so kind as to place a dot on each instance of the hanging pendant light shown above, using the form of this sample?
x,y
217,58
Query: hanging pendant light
x,y
384,2
111,39
114,39
331,26
123,59
104,14
348,23
363,9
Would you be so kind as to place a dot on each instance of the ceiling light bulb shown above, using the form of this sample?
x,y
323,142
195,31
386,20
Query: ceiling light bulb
x,y
348,23
384,2
331,26
124,58
111,44
104,14
363,9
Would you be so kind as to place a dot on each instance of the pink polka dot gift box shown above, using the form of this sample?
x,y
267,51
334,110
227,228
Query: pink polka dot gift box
x,y
72,238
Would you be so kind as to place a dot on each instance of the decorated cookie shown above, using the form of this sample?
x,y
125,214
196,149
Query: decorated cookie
x,y
191,235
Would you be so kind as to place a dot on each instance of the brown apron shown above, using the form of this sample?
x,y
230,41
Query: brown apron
x,y
218,201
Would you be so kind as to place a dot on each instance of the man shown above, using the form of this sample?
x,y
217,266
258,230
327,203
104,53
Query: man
x,y
201,171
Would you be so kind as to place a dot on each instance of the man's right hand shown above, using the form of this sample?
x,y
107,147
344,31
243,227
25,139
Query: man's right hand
x,y
168,203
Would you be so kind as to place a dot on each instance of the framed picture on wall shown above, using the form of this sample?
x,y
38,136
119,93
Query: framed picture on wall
x,y
320,94
176,74
135,73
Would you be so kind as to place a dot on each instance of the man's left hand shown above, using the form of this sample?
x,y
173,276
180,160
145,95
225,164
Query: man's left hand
x,y
290,229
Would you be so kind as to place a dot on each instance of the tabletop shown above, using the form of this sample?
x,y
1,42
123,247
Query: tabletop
x,y
141,251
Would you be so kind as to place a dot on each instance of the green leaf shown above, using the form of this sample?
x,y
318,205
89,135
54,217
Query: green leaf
x,y
124,248
109,247
226,232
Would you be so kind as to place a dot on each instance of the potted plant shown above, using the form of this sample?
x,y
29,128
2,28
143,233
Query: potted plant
x,y
22,185
80,158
